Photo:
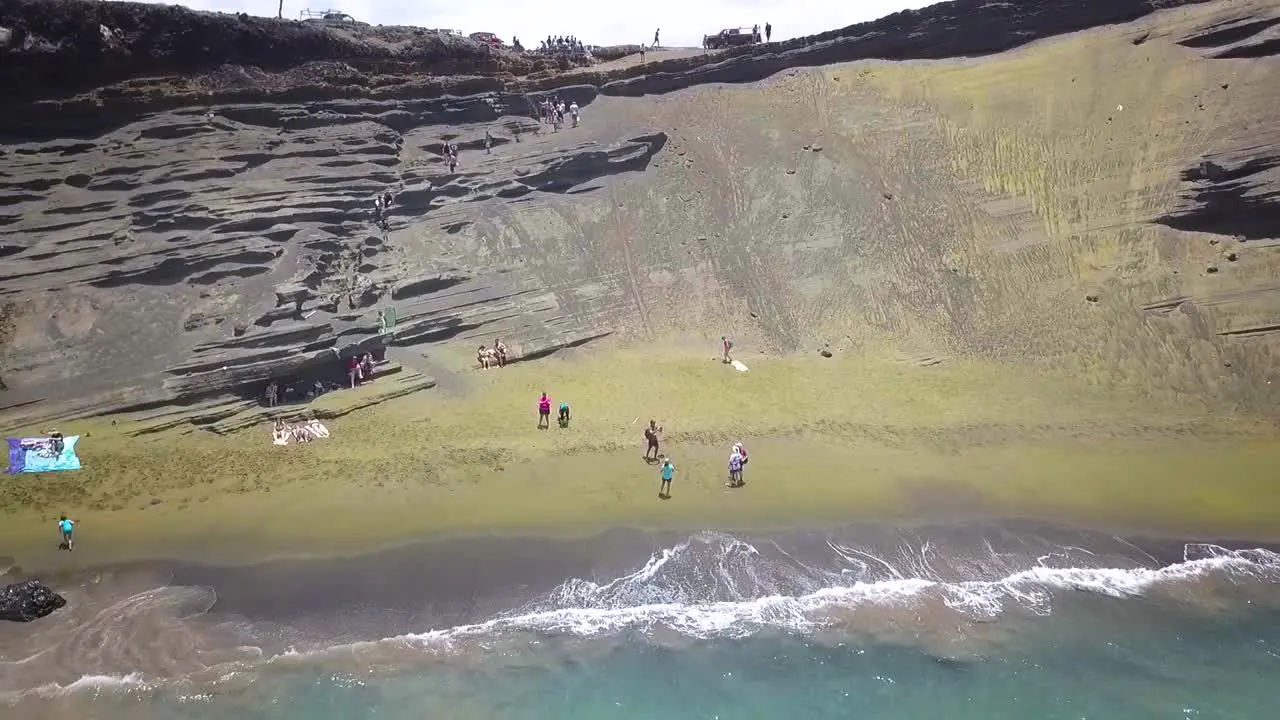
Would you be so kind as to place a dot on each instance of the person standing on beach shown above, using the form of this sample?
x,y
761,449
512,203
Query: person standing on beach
x,y
667,472
544,412
726,345
768,32
67,528
651,435
735,470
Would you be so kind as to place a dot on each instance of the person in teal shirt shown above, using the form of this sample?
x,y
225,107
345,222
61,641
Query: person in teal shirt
x,y
564,414
667,472
67,527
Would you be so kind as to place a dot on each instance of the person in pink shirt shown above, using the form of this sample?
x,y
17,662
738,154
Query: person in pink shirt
x,y
544,412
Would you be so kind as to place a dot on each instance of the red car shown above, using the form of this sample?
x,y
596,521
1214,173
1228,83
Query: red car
x,y
488,38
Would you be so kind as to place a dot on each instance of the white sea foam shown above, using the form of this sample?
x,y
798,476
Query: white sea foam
x,y
717,586
86,683
587,609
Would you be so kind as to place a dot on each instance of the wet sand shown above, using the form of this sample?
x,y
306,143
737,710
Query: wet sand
x,y
1082,400
165,619
832,440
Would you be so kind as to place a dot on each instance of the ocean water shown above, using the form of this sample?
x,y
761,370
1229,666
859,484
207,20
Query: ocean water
x,y
950,622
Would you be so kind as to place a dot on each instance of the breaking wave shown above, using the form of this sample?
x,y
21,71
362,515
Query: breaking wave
x,y
715,585
712,585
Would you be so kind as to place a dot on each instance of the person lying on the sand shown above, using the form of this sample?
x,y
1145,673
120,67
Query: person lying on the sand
x,y
280,433
316,428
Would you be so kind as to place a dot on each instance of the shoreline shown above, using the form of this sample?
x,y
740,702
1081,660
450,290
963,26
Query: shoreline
x,y
895,444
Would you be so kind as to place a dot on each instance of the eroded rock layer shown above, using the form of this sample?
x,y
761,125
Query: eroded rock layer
x,y
189,241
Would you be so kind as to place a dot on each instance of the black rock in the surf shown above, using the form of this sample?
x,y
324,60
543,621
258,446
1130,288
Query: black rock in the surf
x,y
28,600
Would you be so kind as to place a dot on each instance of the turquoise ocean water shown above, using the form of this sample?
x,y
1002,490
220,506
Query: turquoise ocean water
x,y
724,627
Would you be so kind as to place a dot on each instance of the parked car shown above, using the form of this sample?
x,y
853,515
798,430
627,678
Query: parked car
x,y
488,38
730,37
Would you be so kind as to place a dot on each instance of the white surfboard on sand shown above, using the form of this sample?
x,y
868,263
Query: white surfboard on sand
x,y
737,365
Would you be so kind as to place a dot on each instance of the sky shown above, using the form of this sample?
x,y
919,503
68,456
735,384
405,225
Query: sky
x,y
683,22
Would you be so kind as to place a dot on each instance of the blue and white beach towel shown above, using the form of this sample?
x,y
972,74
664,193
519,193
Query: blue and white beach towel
x,y
37,455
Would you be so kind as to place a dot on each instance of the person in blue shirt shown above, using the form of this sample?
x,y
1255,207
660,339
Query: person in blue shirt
x,y
564,414
667,472
67,527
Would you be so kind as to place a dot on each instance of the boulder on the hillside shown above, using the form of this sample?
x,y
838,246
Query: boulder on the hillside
x,y
28,600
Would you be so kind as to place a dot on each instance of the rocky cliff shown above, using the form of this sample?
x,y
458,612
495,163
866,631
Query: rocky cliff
x,y
188,200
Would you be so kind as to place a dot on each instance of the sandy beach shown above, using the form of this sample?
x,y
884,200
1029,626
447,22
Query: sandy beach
x,y
832,441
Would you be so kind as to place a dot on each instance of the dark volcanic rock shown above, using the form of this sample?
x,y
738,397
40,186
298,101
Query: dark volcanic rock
x,y
216,255
161,57
186,199
1233,196
28,600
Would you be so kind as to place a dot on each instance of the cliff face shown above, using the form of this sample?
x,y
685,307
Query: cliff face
x,y
79,68
187,207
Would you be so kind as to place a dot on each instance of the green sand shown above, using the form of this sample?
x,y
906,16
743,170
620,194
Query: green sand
x,y
833,440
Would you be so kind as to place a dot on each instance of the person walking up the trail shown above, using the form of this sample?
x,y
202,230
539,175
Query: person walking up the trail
x,y
488,143
652,435
768,32
67,528
667,473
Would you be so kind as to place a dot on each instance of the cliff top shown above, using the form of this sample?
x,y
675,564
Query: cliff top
x,y
93,65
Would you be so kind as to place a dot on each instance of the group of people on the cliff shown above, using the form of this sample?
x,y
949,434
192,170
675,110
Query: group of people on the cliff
x,y
552,111
561,44
359,369
449,151
490,357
